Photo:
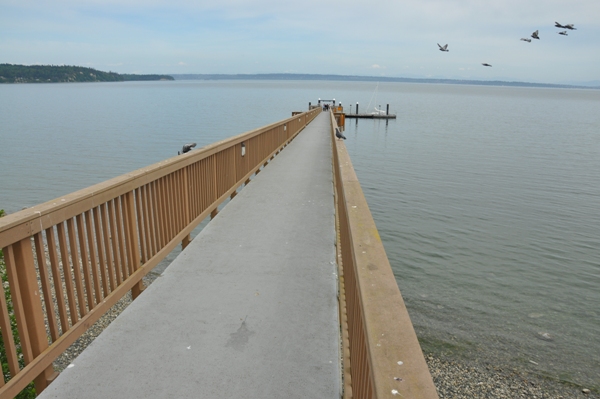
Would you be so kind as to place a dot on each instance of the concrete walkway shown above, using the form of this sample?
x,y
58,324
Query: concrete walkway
x,y
247,310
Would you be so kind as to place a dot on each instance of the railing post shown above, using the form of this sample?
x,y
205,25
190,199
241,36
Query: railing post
x,y
21,263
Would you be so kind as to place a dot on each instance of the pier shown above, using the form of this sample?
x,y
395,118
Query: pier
x,y
287,291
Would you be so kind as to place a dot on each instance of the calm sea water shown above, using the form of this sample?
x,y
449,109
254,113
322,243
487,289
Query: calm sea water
x,y
487,198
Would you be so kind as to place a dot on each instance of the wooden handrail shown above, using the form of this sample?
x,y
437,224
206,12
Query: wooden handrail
x,y
381,355
85,250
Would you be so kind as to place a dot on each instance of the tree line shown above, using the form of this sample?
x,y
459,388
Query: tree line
x,y
10,73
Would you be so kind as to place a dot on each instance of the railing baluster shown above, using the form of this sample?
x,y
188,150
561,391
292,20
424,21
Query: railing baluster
x,y
107,247
121,239
58,290
76,267
115,242
92,251
150,217
215,183
201,187
141,224
186,204
166,191
67,276
190,186
132,241
164,228
46,287
178,202
85,260
171,207
100,247
177,205
157,213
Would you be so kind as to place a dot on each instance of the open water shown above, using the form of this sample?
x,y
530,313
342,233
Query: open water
x,y
487,198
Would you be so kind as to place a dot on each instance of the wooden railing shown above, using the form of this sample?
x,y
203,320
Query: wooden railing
x,y
381,355
70,260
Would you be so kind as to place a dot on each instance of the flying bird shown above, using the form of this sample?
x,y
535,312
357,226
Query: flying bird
x,y
485,64
526,39
568,26
444,47
535,35
339,134
186,148
564,33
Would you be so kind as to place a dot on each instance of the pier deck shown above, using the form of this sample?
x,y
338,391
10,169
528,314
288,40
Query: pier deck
x,y
249,309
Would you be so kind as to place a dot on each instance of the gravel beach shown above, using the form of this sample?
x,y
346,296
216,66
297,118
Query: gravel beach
x,y
456,379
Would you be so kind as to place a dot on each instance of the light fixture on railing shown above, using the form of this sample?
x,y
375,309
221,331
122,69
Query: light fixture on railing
x,y
243,149
284,127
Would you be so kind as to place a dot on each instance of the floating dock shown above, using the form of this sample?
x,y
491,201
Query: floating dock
x,y
371,116
338,110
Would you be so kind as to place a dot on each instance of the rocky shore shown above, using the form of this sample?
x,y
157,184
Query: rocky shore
x,y
456,379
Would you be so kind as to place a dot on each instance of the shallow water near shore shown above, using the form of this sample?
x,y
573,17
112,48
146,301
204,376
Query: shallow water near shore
x,y
487,199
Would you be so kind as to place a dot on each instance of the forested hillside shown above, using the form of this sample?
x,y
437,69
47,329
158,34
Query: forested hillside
x,y
10,73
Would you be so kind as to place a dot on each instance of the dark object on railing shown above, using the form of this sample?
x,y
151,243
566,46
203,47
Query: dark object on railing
x,y
339,134
186,148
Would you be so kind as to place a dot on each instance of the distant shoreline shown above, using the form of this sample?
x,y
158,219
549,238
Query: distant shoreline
x,y
357,78
10,73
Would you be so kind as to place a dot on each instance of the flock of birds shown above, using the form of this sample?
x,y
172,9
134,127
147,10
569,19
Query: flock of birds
x,y
338,133
534,35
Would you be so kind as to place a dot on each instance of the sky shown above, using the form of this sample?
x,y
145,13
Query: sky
x,y
385,38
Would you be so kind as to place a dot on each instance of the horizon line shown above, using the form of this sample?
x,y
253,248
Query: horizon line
x,y
368,78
